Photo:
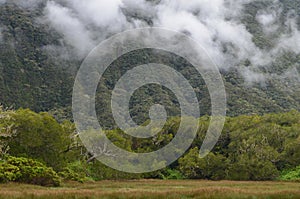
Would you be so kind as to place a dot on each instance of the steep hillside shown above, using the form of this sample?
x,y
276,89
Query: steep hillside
x,y
36,74
29,77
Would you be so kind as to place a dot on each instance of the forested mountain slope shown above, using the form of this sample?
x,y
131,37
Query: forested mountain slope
x,y
29,77
36,74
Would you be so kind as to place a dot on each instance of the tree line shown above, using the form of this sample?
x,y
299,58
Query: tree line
x,y
35,148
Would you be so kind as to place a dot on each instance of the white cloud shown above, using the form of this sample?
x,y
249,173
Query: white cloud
x,y
100,13
251,76
73,30
269,18
291,40
215,24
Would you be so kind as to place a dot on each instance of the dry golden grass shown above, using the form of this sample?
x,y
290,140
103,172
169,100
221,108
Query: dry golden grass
x,y
156,189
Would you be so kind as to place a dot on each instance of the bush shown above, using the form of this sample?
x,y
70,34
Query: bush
x,y
211,167
24,170
9,172
99,171
76,171
171,174
252,168
293,174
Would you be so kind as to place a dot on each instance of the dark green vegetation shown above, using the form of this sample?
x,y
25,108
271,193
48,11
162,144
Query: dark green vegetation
x,y
32,77
156,189
250,148
29,77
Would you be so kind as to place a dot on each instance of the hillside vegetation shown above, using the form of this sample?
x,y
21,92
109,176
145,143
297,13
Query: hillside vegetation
x,y
250,148
35,75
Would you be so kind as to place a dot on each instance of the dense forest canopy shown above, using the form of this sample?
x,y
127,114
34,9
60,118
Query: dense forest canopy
x,y
250,148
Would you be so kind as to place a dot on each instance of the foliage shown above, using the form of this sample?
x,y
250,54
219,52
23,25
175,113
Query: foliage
x,y
6,129
213,166
99,171
76,171
30,77
293,174
13,169
38,136
250,168
250,147
171,174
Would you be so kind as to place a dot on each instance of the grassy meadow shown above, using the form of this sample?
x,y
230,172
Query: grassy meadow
x,y
156,189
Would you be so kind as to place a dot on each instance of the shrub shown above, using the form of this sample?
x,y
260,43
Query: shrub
x,y
293,174
9,172
76,171
24,170
212,167
171,174
99,171
251,168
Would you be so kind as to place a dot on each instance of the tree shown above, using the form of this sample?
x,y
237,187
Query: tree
x,y
251,168
38,136
213,166
7,130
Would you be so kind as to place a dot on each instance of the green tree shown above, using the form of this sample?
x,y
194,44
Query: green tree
x,y
252,168
213,166
38,136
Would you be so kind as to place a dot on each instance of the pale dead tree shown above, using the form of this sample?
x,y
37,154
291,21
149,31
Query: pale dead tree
x,y
96,145
5,135
100,149
75,142
7,129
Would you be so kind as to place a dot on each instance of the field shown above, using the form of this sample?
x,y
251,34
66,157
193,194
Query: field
x,y
156,189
